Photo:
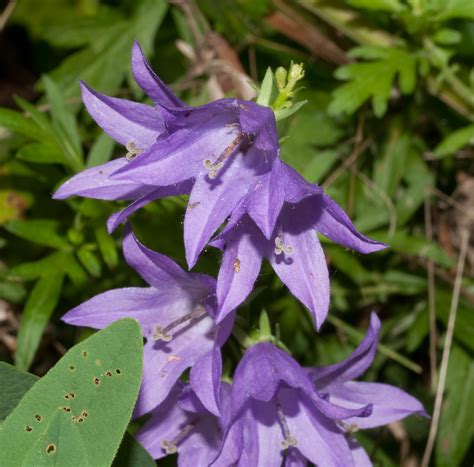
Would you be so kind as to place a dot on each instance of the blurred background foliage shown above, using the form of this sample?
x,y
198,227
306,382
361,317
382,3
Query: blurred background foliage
x,y
387,130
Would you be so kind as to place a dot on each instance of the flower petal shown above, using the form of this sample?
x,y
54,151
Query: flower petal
x,y
212,201
295,459
149,81
335,224
319,439
121,216
164,362
95,183
266,200
240,267
296,187
389,403
181,155
125,121
304,271
164,424
140,303
205,379
354,365
361,458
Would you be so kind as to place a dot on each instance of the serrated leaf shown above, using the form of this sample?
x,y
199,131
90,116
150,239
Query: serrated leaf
x,y
455,141
373,80
38,309
13,386
78,413
41,231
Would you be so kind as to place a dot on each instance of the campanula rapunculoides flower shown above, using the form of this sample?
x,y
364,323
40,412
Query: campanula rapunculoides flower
x,y
218,153
175,314
275,410
389,403
182,425
293,249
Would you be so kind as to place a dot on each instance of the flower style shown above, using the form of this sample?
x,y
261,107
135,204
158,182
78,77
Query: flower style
x,y
293,248
217,152
176,315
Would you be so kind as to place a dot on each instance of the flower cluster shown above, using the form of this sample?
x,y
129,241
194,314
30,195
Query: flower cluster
x,y
225,155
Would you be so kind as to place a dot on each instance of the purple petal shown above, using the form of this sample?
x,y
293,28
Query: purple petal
x,y
389,403
361,459
164,362
212,201
231,448
335,224
120,217
95,183
340,412
125,121
240,267
266,200
190,402
304,271
354,365
295,459
296,187
261,372
162,272
164,424
103,309
149,81
319,439
181,155
205,379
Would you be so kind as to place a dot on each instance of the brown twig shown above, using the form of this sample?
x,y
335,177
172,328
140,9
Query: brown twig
x,y
7,13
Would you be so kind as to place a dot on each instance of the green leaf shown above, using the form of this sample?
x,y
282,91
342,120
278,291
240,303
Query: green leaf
x,y
455,141
132,454
38,309
101,151
265,93
456,429
78,413
107,247
65,124
280,114
13,386
392,6
12,292
18,123
448,9
41,153
35,269
41,231
373,80
89,260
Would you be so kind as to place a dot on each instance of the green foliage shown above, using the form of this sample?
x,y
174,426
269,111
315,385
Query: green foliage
x,y
79,411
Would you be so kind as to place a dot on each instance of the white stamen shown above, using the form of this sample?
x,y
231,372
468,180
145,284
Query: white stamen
x,y
280,247
217,165
288,438
133,151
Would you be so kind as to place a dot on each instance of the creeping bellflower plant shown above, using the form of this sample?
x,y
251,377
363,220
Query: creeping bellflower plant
x,y
225,156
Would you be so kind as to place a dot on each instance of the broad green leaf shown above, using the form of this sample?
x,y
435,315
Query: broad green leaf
x,y
456,429
77,414
18,123
373,80
35,269
107,247
41,153
38,309
64,123
132,454
455,141
101,151
13,386
41,231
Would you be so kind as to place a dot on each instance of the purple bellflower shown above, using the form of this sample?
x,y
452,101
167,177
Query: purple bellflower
x,y
176,315
281,412
218,153
292,248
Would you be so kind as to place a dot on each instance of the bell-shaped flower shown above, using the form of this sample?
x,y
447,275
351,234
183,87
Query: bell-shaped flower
x,y
276,414
293,248
218,152
175,313
389,402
